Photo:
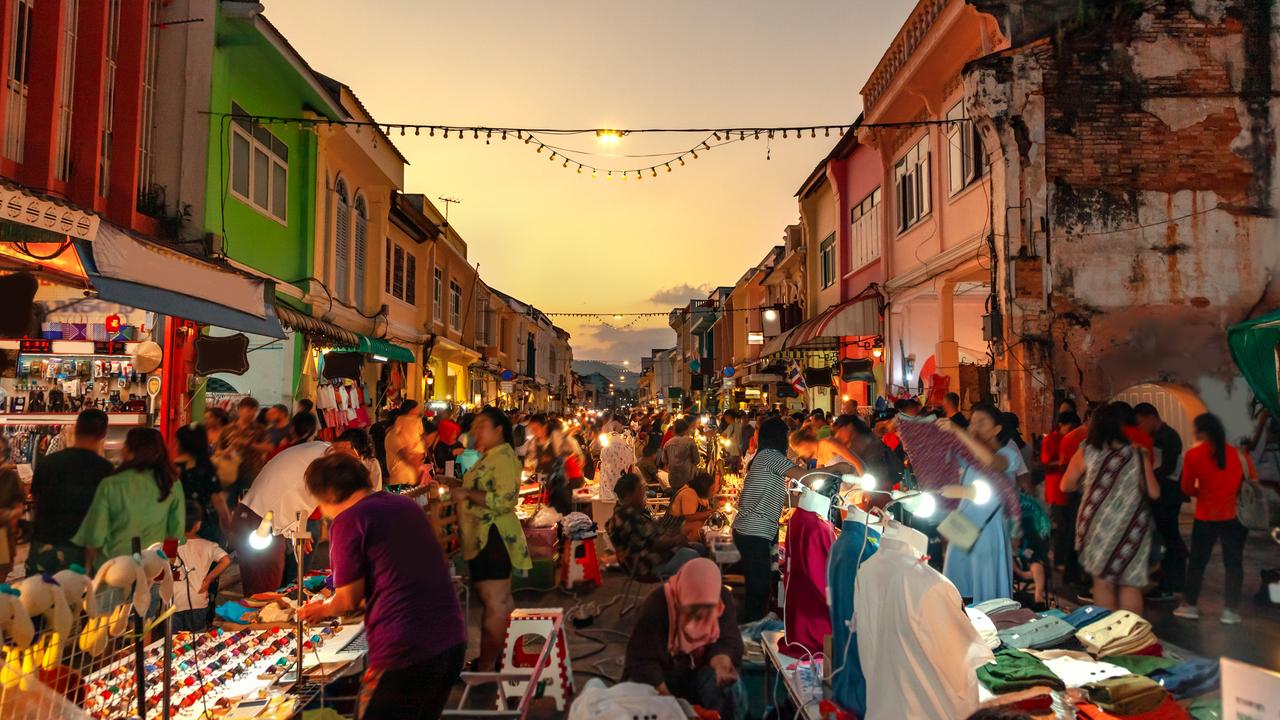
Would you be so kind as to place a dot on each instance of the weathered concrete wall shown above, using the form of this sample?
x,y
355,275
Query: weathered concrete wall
x,y
1143,138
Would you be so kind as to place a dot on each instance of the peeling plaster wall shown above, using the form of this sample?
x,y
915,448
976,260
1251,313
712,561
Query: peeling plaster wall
x,y
1144,138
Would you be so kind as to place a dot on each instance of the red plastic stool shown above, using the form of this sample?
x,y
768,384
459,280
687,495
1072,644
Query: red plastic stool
x,y
579,564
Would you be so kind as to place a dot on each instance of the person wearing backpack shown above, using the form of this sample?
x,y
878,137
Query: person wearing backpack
x,y
1212,472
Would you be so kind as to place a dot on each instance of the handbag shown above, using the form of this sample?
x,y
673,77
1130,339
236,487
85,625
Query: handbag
x,y
1251,504
960,531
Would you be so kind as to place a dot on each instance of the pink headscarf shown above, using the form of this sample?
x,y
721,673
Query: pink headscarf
x,y
696,583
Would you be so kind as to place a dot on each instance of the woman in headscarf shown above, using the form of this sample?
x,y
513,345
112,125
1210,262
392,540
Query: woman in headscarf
x,y
687,642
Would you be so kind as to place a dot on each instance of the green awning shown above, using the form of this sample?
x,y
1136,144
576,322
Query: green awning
x,y
383,348
1253,346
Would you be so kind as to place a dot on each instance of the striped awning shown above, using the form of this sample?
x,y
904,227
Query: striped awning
x,y
299,321
853,318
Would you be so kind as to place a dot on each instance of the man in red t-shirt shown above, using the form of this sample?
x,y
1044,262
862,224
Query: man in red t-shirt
x,y
1066,518
1061,507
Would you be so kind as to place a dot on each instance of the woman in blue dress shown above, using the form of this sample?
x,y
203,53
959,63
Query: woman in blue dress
x,y
985,571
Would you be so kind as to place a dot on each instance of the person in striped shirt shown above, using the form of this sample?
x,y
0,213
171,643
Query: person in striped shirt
x,y
755,529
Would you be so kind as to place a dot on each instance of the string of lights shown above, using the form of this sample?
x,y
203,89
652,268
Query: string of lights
x,y
572,159
660,313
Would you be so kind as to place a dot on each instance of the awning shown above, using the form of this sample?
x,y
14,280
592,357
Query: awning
x,y
851,318
762,379
383,348
147,296
299,321
120,256
1253,346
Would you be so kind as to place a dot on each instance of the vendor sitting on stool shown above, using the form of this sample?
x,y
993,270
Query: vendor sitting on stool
x,y
645,546
687,642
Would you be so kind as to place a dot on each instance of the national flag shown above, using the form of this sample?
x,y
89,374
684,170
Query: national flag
x,y
795,376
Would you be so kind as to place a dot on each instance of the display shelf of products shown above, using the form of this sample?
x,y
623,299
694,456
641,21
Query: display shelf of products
x,y
121,419
215,670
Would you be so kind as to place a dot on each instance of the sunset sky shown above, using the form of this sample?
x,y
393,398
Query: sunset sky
x,y
560,240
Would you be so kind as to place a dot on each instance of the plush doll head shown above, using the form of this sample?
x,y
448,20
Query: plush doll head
x,y
42,596
156,565
77,587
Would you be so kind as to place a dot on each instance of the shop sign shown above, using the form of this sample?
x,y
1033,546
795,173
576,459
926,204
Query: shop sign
x,y
109,348
506,386
228,354
675,393
35,346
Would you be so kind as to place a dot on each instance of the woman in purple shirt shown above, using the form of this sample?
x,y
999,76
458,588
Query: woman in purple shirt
x,y
385,554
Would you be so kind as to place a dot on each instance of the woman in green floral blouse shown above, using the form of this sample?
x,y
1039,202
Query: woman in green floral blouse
x,y
492,538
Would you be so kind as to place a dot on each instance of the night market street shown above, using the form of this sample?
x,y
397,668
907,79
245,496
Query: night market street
x,y
834,360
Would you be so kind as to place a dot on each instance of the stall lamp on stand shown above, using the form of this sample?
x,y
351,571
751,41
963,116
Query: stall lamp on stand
x,y
261,539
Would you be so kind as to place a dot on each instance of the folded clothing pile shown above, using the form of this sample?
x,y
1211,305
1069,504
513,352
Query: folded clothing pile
x,y
986,629
1130,695
1015,670
1119,633
1194,676
577,526
1040,632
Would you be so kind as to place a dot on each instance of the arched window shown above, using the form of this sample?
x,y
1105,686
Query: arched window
x,y
361,250
341,240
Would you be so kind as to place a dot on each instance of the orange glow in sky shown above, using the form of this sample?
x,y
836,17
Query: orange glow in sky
x,y
556,238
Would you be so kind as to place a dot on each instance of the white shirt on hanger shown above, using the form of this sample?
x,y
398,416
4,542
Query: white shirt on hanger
x,y
918,649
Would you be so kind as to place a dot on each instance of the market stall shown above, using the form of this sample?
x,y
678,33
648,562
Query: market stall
x,y
103,647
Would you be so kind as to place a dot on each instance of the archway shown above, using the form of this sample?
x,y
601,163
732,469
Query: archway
x,y
1177,405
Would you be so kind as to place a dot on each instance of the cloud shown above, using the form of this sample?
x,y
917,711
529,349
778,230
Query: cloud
x,y
680,294
602,343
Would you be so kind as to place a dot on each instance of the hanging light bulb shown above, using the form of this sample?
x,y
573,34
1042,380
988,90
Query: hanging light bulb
x,y
694,153
401,131
566,163
593,173
668,167
504,134
681,159
743,136
716,135
475,134
417,131
579,168
784,133
461,134
826,132
432,133
446,133
553,157
654,171
540,148
705,146
770,134
610,175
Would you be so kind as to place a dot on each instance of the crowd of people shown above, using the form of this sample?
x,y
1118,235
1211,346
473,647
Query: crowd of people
x,y
1099,499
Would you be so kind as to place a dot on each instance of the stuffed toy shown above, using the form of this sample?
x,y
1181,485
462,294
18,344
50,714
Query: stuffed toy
x,y
16,634
43,597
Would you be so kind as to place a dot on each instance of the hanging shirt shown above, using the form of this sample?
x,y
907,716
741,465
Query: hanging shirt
x,y
918,650
809,540
856,543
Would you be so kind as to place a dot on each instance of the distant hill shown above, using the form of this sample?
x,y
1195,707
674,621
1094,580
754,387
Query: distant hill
x,y
621,376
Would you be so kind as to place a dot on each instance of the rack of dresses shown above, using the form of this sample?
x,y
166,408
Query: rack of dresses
x,y
341,404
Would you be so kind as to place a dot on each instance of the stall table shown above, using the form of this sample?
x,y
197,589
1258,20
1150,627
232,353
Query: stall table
x,y
781,662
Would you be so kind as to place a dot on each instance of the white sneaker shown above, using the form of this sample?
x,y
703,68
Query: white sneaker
x,y
1230,617
1189,612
